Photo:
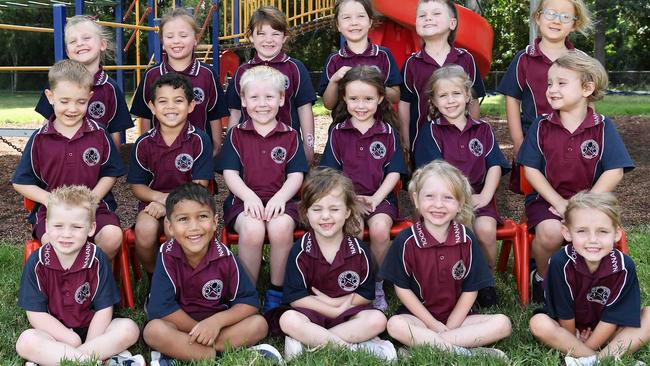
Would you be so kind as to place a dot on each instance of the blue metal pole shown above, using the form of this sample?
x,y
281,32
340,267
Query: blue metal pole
x,y
157,47
179,3
235,20
59,26
151,34
119,42
79,7
215,38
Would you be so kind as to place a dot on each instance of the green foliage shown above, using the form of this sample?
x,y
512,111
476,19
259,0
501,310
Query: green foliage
x,y
509,19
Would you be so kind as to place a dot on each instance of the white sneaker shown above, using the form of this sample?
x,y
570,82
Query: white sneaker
x,y
581,361
379,302
292,348
380,348
125,358
28,363
269,352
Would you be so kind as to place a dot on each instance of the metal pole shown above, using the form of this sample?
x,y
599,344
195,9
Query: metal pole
x,y
532,33
119,41
151,34
79,7
59,26
235,19
157,47
215,38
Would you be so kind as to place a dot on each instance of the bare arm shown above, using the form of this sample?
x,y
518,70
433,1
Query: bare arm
x,y
207,330
331,94
513,115
543,187
33,192
276,205
145,125
235,115
117,139
306,117
52,326
215,130
252,203
386,187
461,309
330,311
413,304
489,187
608,181
392,94
99,322
601,334
404,114
146,194
181,320
103,186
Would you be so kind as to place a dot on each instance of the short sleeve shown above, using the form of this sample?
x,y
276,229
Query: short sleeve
x,y
220,108
246,292
509,84
329,158
139,106
396,163
298,162
324,78
495,156
530,154
203,167
232,97
113,167
24,173
478,86
405,93
30,297
228,158
295,287
107,294
122,120
394,76
393,269
479,275
43,107
559,303
626,309
305,93
162,298
138,174
426,149
615,155
367,288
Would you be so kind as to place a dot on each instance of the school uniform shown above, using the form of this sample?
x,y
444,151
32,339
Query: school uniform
x,y
474,150
571,162
208,95
437,273
72,295
366,159
350,272
417,71
374,55
610,294
107,106
51,160
164,168
263,163
298,89
218,283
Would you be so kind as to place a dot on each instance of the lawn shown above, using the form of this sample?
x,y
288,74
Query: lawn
x,y
520,347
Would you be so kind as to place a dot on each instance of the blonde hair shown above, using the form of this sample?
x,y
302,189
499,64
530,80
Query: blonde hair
x,y
584,25
444,73
72,71
458,185
453,14
322,181
590,70
262,73
176,14
74,196
103,34
603,202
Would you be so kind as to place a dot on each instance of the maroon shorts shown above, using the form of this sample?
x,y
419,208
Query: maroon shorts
x,y
233,207
327,323
489,210
384,207
537,211
514,185
103,216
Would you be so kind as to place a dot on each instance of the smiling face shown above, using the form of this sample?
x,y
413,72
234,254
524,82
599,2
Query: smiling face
x,y
84,44
192,224
433,19
68,228
565,89
436,203
70,102
362,100
327,215
353,21
554,30
178,39
262,101
171,106
268,42
450,98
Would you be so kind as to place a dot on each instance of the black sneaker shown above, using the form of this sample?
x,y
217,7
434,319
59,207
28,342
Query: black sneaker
x,y
487,297
536,288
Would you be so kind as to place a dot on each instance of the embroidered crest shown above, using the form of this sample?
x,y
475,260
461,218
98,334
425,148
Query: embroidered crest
x,y
278,154
458,270
349,281
199,95
589,149
599,294
377,150
212,289
96,109
287,82
475,147
82,293
91,156
184,162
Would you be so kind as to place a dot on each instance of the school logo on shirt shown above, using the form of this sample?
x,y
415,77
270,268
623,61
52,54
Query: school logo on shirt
x,y
349,281
96,109
184,162
278,154
458,270
377,150
475,147
212,289
599,294
589,149
287,83
91,156
82,293
199,95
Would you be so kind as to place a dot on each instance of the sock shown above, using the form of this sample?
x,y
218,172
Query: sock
x,y
538,277
275,288
379,285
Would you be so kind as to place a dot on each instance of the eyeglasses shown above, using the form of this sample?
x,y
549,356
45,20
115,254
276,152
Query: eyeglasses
x,y
563,17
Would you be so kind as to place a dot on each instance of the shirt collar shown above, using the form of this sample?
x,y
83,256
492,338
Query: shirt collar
x,y
610,264
591,119
87,125
370,51
377,128
191,70
280,127
279,58
184,135
216,251
424,239
471,122
453,55
349,246
535,51
84,258
101,77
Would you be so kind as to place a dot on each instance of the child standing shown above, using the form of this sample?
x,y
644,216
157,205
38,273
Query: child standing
x,y
71,149
263,164
68,291
89,43
201,301
524,84
437,269
353,18
329,278
364,145
593,301
436,22
178,33
470,146
172,153
567,151
268,31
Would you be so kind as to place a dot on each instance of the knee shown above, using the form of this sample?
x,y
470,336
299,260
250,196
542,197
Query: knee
x,y
503,325
27,343
395,327
290,321
379,232
146,232
154,332
252,234
486,233
129,330
645,317
258,326
540,326
376,321
548,237
109,238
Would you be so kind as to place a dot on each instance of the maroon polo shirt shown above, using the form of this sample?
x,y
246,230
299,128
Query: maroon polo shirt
x,y
349,272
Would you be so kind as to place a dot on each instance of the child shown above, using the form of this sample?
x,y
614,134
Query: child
x,y
469,145
524,84
592,291
68,291
89,43
263,164
437,269
567,151
201,301
178,33
71,149
268,31
364,145
170,154
329,278
436,23
353,18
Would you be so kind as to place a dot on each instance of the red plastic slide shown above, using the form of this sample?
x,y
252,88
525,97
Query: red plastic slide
x,y
474,32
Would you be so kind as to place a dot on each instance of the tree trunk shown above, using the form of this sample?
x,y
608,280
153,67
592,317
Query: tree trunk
x,y
601,28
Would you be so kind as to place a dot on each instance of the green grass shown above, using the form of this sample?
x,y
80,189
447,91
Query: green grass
x,y
521,348
18,109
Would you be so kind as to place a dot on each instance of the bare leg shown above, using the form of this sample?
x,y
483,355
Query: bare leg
x,y
549,332
251,242
548,239
147,232
280,231
39,347
629,339
485,228
379,229
120,334
363,326
109,239
163,336
298,326
479,330
411,331
247,332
